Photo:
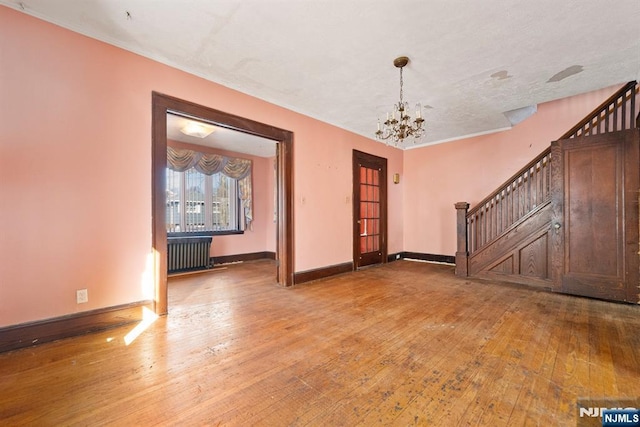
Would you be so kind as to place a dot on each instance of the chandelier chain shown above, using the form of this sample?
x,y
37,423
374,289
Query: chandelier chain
x,y
400,85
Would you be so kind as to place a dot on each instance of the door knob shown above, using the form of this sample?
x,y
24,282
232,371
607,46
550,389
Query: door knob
x,y
557,225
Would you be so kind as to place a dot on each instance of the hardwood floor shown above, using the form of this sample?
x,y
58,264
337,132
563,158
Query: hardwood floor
x,y
406,343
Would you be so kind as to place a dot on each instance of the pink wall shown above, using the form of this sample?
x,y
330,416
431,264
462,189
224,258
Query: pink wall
x,y
261,236
75,178
323,206
468,170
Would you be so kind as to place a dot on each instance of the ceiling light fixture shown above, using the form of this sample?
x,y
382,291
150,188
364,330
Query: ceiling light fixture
x,y
399,125
198,130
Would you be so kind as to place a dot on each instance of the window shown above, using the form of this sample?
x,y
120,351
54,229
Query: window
x,y
199,203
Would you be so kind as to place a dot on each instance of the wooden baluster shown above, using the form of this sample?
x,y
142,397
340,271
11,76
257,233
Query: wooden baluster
x,y
523,197
483,233
507,195
495,216
489,220
541,197
512,203
624,115
476,244
535,185
527,176
632,113
480,227
487,225
500,223
541,180
525,192
483,224
547,170
505,218
494,219
471,234
462,254
510,206
519,201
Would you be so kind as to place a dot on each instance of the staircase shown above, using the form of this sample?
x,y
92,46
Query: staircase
x,y
509,236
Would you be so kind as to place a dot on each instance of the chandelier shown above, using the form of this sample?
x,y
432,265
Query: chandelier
x,y
399,124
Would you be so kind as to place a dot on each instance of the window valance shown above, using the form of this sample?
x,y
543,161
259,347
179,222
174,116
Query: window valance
x,y
180,160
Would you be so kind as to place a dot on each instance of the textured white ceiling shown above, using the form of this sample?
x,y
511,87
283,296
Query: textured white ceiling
x,y
471,61
221,138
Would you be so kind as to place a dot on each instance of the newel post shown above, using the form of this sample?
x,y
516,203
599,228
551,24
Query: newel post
x,y
462,253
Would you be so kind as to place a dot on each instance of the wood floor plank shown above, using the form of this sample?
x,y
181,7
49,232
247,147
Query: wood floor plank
x,y
525,410
405,343
508,348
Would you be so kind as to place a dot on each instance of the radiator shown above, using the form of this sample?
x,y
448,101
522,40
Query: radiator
x,y
188,253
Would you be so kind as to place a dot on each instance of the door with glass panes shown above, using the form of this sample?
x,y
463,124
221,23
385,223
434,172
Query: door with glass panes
x,y
370,209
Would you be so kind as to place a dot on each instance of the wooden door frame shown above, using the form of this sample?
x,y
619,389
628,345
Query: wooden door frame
x,y
163,104
383,206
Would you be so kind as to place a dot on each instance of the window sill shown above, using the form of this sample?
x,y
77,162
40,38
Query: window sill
x,y
205,233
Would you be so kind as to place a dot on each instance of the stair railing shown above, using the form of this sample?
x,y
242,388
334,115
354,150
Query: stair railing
x,y
516,198
528,188
618,112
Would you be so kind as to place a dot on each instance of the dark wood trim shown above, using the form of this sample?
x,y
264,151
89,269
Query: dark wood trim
x,y
323,272
32,333
448,259
532,282
158,201
397,256
253,256
284,241
556,190
462,251
163,104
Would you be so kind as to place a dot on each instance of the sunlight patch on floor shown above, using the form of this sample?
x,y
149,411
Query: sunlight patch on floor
x,y
148,317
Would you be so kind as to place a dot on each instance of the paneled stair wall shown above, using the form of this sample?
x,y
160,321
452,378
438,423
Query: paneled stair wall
x,y
507,236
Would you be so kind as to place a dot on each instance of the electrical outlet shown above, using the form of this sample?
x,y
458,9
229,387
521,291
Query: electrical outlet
x,y
82,296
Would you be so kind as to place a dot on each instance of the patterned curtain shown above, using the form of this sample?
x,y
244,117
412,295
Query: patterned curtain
x,y
181,160
245,192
